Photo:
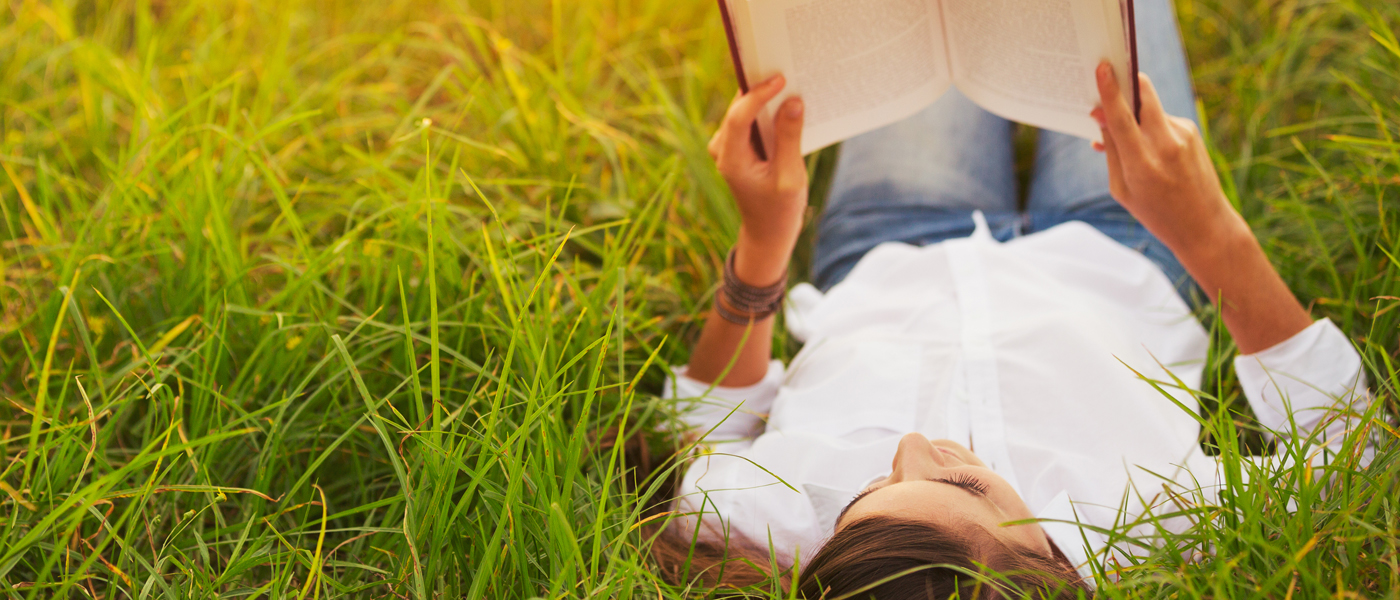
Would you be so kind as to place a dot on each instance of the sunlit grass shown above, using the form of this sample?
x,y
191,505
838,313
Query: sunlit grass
x,y
327,299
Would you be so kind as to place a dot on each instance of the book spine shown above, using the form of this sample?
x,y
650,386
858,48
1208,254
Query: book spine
x,y
1133,59
733,46
755,138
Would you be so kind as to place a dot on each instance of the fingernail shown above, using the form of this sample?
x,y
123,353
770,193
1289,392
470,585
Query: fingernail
x,y
794,108
1105,72
773,80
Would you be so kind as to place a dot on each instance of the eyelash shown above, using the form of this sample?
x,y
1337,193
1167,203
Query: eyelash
x,y
967,482
964,481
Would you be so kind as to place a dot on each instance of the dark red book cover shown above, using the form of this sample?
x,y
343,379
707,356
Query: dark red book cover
x,y
1131,26
755,137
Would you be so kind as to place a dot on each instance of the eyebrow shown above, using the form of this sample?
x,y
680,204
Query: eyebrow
x,y
967,487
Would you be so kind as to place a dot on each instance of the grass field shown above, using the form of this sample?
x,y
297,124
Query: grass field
x,y
321,298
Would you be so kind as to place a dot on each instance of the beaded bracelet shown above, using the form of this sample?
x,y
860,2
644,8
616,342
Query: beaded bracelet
x,y
750,304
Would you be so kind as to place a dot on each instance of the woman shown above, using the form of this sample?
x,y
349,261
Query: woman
x,y
967,365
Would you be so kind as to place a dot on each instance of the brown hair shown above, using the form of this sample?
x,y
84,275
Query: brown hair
x,y
883,558
873,558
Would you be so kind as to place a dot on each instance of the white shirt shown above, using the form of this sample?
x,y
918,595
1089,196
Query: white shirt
x,y
1029,352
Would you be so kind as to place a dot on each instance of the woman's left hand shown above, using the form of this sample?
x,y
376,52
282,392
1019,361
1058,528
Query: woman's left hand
x,y
771,194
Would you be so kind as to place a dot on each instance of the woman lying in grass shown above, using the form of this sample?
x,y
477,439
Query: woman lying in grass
x,y
969,368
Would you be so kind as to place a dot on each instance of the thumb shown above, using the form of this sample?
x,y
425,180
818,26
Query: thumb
x,y
787,151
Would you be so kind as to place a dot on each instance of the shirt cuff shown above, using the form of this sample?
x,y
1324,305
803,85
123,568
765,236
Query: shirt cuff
x,y
733,413
1315,370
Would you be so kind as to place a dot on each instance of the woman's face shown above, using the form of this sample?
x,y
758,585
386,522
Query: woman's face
x,y
946,485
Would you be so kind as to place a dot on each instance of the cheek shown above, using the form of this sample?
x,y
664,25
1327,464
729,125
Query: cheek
x,y
1009,502
972,458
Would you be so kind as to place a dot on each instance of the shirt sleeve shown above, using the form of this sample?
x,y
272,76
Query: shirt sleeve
x,y
734,413
1307,378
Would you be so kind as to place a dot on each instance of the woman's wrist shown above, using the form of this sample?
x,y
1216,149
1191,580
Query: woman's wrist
x,y
761,261
1253,300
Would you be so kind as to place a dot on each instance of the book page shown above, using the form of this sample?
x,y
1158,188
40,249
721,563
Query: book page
x,y
1033,61
857,64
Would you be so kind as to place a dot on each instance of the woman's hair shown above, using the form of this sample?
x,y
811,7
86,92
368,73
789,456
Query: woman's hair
x,y
877,558
921,561
917,560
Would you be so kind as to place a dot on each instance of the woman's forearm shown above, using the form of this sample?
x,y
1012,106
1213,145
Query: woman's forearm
x,y
1256,305
749,348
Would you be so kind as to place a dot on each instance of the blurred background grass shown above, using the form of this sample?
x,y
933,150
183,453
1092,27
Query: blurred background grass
x,y
325,298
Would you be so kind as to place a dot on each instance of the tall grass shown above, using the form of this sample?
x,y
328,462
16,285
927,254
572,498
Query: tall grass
x,y
327,299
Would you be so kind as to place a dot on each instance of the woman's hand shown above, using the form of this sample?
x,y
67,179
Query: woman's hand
x,y
1160,171
772,197
771,194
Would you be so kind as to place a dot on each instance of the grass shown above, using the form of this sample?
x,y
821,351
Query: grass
x,y
321,298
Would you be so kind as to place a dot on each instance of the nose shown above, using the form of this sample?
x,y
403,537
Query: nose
x,y
916,458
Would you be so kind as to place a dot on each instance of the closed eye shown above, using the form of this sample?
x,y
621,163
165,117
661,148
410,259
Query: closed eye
x,y
964,481
967,482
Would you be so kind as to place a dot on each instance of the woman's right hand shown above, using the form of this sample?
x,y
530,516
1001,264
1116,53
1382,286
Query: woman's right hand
x,y
771,194
1161,172
772,199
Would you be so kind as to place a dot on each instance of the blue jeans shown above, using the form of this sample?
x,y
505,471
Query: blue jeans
x,y
918,181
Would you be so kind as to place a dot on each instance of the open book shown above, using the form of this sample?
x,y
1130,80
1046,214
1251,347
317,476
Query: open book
x,y
863,64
